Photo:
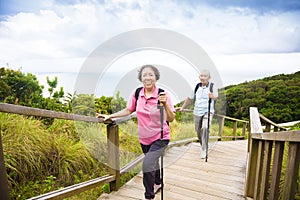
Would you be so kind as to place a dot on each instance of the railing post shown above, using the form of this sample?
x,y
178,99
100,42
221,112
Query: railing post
x,y
268,127
221,126
244,129
258,170
3,177
113,155
276,170
235,123
254,157
265,168
251,169
292,170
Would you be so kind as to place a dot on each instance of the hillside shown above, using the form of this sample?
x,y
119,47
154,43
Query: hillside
x,y
277,97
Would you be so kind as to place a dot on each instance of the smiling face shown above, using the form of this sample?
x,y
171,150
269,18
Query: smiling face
x,y
204,77
148,77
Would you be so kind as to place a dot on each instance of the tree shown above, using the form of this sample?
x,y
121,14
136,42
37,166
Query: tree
x,y
52,85
84,104
118,103
18,88
103,105
276,97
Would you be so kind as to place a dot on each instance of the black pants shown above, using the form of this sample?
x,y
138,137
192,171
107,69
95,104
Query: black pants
x,y
151,169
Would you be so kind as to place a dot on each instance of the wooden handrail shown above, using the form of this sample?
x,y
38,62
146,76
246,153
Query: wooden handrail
x,y
28,111
269,123
235,126
263,178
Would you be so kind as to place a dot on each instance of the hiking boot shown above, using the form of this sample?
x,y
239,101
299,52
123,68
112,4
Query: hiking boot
x,y
157,188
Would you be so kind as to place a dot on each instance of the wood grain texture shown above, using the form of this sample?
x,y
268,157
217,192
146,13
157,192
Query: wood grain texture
x,y
188,177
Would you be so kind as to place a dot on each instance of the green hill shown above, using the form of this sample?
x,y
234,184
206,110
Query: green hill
x,y
276,97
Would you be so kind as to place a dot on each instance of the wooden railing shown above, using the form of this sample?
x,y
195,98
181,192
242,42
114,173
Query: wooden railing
x,y
221,122
263,178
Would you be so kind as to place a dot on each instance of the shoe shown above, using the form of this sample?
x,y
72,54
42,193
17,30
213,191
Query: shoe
x,y
157,188
203,154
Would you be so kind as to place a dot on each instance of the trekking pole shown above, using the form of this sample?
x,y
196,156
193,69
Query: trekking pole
x,y
161,109
207,135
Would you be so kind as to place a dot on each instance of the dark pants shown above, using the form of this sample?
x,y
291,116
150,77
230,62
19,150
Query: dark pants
x,y
151,169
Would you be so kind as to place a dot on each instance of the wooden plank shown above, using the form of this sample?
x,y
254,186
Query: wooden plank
x,y
234,130
187,176
288,136
258,172
292,170
114,155
276,170
74,189
244,129
28,111
251,169
255,124
197,188
271,122
265,172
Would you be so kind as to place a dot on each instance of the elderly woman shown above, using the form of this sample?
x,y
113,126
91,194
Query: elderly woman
x,y
149,125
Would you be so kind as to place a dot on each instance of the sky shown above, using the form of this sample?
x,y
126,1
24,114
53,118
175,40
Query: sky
x,y
245,39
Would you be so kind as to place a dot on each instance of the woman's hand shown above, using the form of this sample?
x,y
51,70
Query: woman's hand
x,y
103,116
179,109
162,97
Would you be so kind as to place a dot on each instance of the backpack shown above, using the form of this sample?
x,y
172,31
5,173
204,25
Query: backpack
x,y
137,94
210,89
200,84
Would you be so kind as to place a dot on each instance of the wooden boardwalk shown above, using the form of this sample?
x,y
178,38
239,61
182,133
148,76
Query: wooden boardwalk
x,y
187,177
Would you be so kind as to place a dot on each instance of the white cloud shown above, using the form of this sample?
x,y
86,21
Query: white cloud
x,y
58,37
247,67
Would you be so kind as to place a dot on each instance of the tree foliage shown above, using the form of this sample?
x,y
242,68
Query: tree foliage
x,y
118,103
276,97
19,88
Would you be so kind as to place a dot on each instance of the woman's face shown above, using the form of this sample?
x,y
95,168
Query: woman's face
x,y
148,77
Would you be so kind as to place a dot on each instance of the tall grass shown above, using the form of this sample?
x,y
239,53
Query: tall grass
x,y
40,159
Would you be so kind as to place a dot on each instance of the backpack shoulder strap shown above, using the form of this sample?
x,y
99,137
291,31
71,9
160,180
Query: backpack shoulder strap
x,y
137,93
211,87
196,88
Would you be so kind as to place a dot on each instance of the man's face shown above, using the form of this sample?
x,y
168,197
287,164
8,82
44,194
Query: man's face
x,y
204,77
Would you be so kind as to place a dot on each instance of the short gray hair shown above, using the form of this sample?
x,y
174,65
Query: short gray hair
x,y
155,70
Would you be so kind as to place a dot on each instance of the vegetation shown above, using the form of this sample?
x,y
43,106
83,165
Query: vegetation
x,y
276,97
45,155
